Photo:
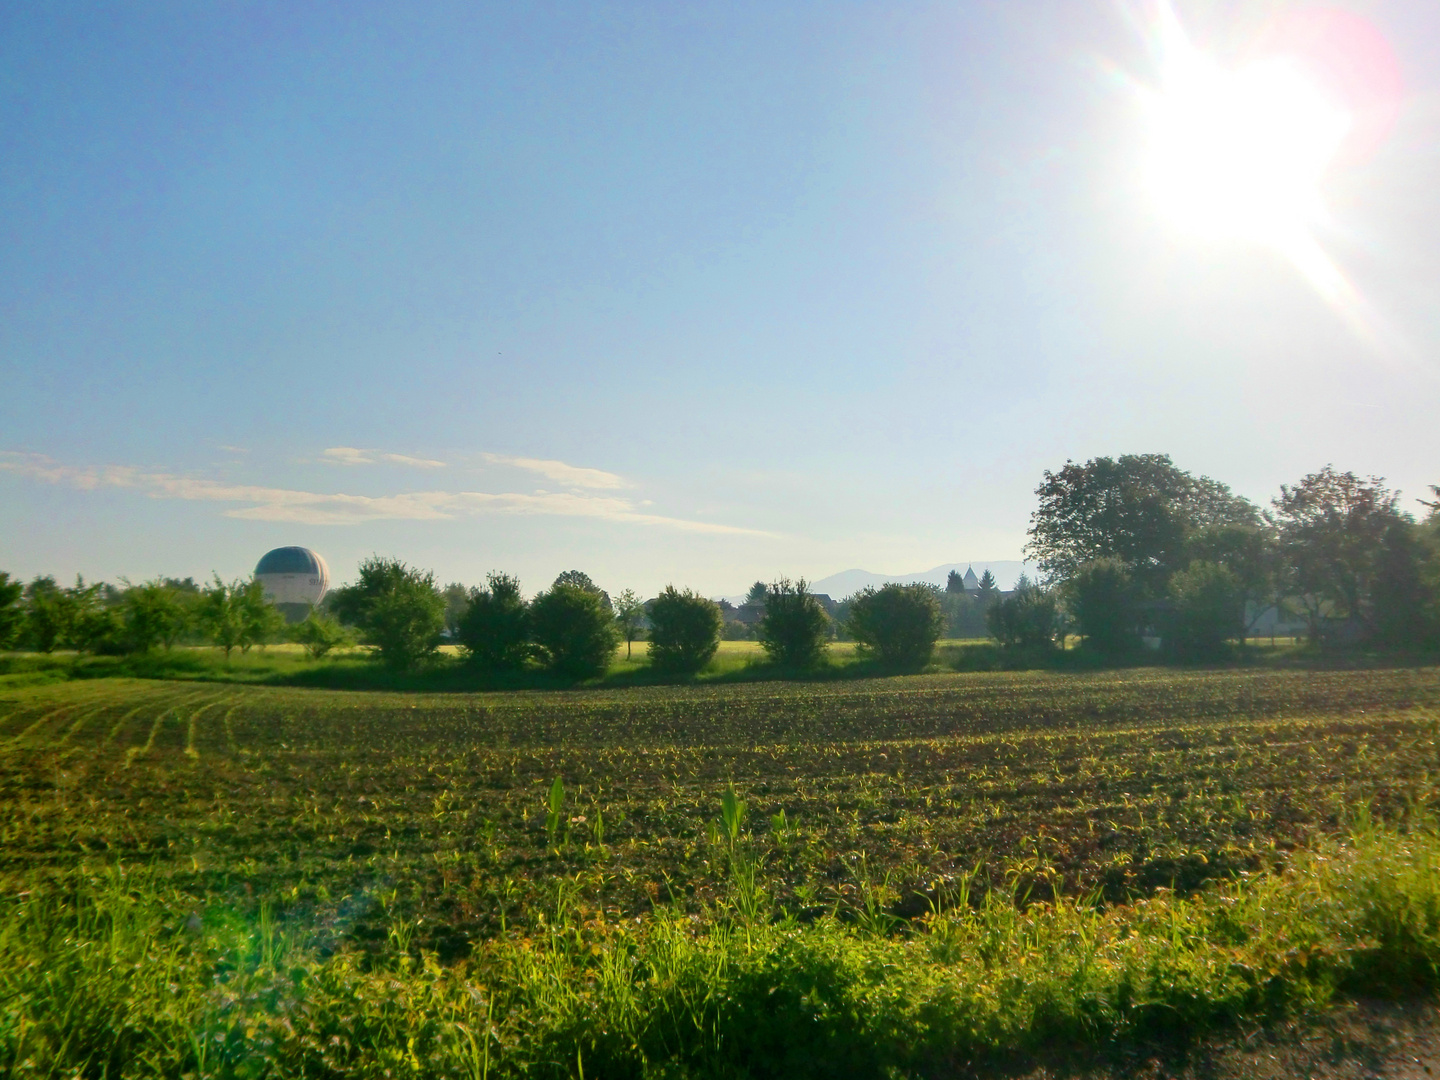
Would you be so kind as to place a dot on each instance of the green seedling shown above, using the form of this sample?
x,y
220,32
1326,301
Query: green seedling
x,y
556,807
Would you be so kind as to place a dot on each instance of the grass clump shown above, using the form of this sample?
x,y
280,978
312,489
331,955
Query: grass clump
x,y
116,974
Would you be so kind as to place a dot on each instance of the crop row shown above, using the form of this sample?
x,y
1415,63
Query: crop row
x,y
351,808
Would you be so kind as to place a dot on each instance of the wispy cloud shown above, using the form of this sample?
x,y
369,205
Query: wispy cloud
x,y
351,455
561,473
317,508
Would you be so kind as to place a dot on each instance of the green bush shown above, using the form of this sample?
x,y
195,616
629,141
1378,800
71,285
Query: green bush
x,y
684,630
1026,619
116,973
1209,610
735,630
494,628
1100,597
397,608
899,623
319,634
795,628
575,629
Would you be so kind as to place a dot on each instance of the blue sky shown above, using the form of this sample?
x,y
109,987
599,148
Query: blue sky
x,y
669,293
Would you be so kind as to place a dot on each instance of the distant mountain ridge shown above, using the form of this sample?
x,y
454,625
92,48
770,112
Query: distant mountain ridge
x,y
848,582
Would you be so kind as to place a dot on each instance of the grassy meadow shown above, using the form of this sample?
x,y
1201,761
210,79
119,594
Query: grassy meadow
x,y
916,875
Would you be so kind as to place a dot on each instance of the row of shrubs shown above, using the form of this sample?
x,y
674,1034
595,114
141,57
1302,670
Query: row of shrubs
x,y
573,628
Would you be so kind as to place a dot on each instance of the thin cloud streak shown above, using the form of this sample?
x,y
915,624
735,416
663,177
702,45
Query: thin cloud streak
x,y
351,455
561,473
314,508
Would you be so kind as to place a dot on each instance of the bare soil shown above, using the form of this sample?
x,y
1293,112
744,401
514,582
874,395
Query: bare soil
x,y
1367,1040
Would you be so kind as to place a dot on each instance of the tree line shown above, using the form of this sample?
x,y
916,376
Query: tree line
x,y
1135,550
1134,553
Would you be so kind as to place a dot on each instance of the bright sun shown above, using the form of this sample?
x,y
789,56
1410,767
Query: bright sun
x,y
1240,154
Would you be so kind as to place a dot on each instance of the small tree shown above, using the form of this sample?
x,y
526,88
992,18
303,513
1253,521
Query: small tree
x,y
795,628
1026,619
1250,551
1209,609
900,623
684,630
576,630
582,580
397,608
49,615
457,600
629,617
261,622
954,583
12,615
1101,599
987,590
220,614
319,634
154,614
495,627
237,616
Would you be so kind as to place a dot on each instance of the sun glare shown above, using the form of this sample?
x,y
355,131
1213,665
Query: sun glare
x,y
1241,154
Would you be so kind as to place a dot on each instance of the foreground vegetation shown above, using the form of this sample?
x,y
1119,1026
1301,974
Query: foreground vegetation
x,y
756,879
118,976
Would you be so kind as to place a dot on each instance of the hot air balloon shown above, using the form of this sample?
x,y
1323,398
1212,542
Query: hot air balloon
x,y
295,579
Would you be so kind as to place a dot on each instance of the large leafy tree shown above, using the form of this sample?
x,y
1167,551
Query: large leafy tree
x,y
398,609
1332,532
1138,508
